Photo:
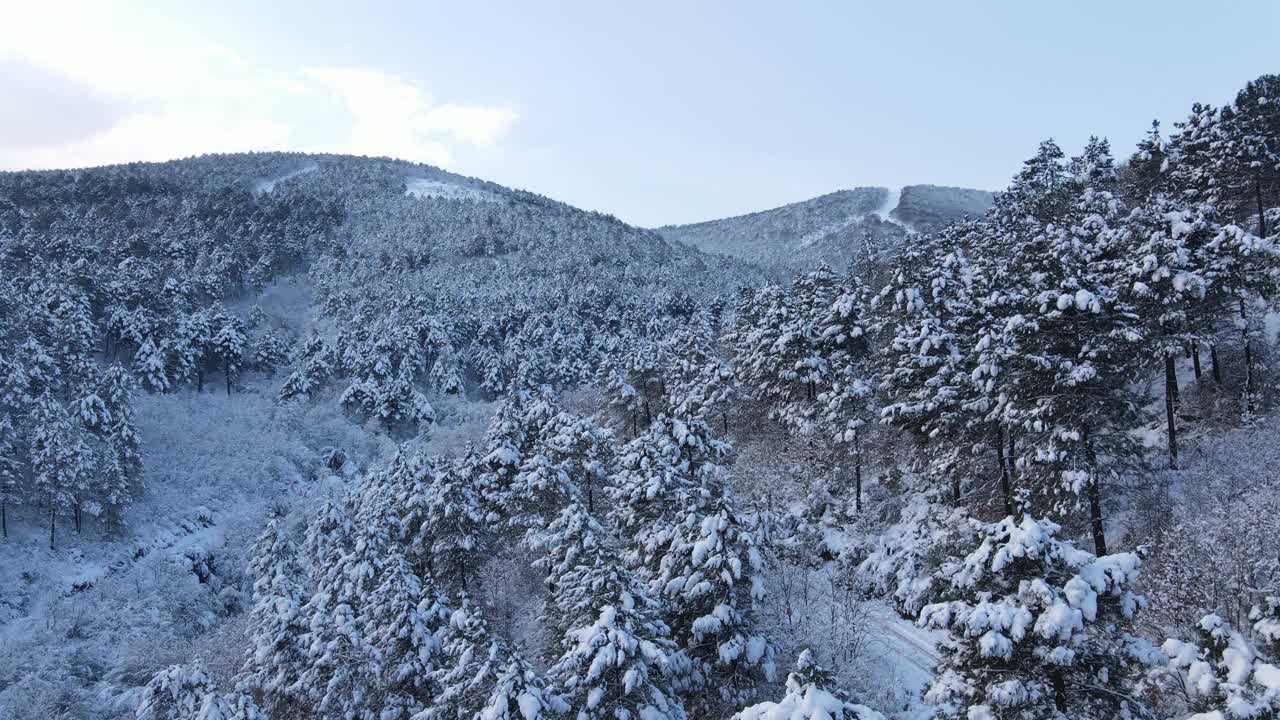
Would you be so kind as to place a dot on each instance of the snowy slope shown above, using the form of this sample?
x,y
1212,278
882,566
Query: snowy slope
x,y
839,228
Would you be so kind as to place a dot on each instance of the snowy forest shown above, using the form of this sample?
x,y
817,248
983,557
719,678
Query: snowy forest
x,y
297,436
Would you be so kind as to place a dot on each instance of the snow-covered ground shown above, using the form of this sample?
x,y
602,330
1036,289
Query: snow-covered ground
x,y
424,188
266,185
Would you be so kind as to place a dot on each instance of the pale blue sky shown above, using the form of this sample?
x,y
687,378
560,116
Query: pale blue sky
x,y
657,112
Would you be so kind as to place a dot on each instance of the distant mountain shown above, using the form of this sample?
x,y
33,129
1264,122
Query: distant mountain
x,y
838,228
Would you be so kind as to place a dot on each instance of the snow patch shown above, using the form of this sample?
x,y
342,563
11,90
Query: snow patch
x,y
266,185
423,188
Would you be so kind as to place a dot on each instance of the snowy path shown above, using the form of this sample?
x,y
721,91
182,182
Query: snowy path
x,y
907,655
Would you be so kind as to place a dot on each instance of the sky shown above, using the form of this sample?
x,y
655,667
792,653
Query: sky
x,y
657,112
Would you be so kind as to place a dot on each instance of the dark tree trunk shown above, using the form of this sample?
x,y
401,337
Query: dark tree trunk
x,y
1006,487
1248,358
1195,359
4,518
226,367
1059,690
200,381
1262,215
857,473
52,510
1170,407
75,517
1094,489
955,490
1213,360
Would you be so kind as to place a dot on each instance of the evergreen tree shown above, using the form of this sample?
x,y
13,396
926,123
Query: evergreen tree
x,y
228,346
1036,628
811,695
62,459
1220,676
275,659
403,620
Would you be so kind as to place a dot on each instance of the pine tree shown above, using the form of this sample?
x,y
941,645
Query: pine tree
x,y
182,692
1036,628
1220,676
484,677
121,477
810,695
314,368
618,661
275,659
150,365
402,631
11,474
447,529
62,459
228,346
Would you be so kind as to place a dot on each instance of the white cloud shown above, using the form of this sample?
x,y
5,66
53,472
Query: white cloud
x,y
172,93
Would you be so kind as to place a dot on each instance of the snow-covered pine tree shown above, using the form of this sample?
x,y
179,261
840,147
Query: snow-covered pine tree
x,y
846,401
659,480
1221,676
402,621
710,581
446,524
904,563
11,473
811,695
1245,155
484,677
1167,286
277,653
63,462
1148,171
228,345
151,366
1079,346
618,660
120,480
184,692
1037,628
314,368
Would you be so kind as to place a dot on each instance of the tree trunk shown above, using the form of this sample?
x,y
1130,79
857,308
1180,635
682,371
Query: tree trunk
x,y
955,490
1059,690
1170,407
857,473
226,366
1095,501
1006,488
200,381
1248,358
1262,215
1195,358
4,518
75,517
1013,468
1213,360
52,510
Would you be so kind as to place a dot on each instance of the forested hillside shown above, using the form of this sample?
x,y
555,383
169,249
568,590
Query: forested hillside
x,y
310,436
